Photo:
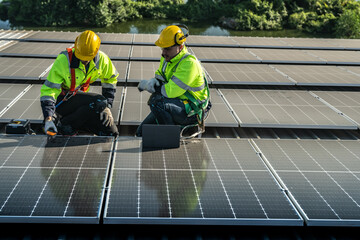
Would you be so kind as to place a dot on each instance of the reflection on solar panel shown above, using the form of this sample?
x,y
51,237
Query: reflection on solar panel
x,y
309,42
210,41
283,109
323,176
115,38
121,67
142,70
26,107
23,68
135,107
145,38
9,94
120,52
259,41
219,115
224,54
51,36
338,56
207,181
222,73
13,34
60,181
146,53
319,75
346,102
281,55
35,49
115,110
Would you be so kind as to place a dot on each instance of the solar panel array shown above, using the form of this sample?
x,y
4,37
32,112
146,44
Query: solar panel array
x,y
254,83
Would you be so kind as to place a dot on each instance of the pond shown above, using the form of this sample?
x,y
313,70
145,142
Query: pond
x,y
155,26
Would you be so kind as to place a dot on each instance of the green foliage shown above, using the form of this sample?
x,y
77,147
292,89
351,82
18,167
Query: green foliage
x,y
348,24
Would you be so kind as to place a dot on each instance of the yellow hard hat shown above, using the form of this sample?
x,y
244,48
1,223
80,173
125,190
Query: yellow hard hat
x,y
87,45
170,36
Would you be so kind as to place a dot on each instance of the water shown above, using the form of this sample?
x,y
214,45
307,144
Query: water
x,y
155,26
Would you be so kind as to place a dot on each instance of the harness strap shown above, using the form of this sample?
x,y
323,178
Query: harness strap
x,y
72,70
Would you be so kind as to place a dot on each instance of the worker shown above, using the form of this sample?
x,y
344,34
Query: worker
x,y
65,101
180,93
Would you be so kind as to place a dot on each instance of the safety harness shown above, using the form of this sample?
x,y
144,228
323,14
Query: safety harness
x,y
72,91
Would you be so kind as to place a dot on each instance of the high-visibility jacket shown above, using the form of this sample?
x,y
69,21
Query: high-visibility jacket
x,y
59,78
184,78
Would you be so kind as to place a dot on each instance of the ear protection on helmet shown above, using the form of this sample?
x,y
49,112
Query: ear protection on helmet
x,y
180,38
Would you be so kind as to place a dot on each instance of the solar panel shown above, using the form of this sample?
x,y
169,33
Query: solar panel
x,y
14,34
207,181
142,70
135,109
26,107
62,181
260,41
116,52
338,57
198,40
321,175
121,67
35,49
347,43
312,75
283,109
50,36
23,68
148,39
146,53
284,55
249,74
346,102
9,93
316,43
116,38
224,54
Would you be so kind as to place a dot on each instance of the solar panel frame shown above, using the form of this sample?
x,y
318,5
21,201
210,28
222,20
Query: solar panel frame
x,y
40,185
277,109
313,172
136,202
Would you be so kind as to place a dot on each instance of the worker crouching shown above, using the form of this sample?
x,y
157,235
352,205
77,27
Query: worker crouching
x,y
65,101
180,93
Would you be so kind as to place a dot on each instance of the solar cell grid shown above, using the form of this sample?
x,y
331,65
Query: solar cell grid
x,y
321,175
210,40
346,102
146,38
290,109
338,56
191,184
309,42
142,70
121,52
53,181
8,92
319,75
259,41
116,38
221,73
23,68
283,55
58,35
30,49
146,52
219,54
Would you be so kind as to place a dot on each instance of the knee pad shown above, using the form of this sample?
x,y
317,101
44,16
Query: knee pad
x,y
98,105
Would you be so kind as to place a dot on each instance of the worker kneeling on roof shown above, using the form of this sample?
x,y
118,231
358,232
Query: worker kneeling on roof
x,y
66,103
180,93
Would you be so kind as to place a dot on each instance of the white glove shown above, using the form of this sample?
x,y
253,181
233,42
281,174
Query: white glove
x,y
106,117
50,126
148,85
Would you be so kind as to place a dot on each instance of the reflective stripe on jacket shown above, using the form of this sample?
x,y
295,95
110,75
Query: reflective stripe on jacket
x,y
183,73
59,76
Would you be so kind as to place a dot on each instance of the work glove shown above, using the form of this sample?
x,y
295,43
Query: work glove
x,y
50,126
106,117
148,85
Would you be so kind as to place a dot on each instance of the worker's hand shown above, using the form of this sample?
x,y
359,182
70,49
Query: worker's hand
x,y
106,117
148,85
50,126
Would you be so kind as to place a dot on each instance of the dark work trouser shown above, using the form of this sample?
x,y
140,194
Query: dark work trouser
x,y
77,113
169,111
